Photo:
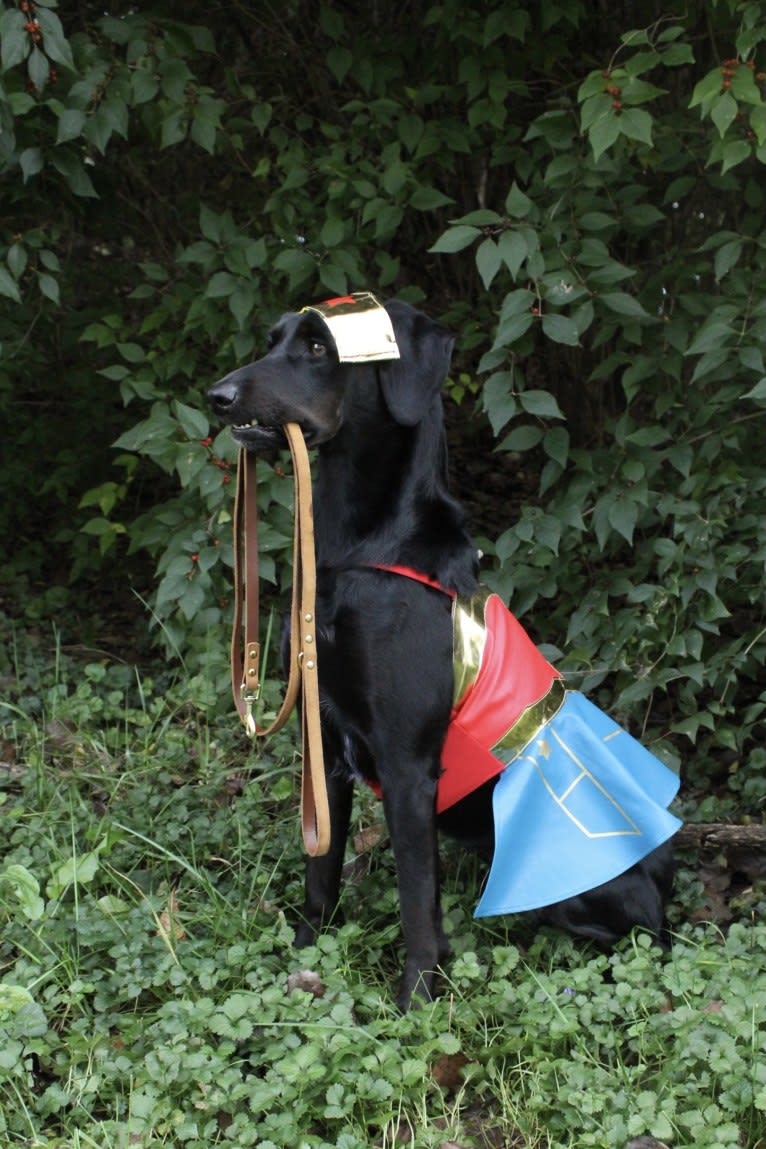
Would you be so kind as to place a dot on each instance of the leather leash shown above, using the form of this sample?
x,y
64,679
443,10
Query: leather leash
x,y
245,645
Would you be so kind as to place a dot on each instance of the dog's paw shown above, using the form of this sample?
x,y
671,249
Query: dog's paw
x,y
305,935
416,989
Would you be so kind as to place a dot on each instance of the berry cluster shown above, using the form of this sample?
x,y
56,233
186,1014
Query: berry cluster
x,y
614,91
729,70
222,464
32,25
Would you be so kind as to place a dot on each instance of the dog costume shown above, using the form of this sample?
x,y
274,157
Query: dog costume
x,y
578,800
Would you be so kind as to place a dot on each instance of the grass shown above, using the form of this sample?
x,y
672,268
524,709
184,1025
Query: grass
x,y
150,996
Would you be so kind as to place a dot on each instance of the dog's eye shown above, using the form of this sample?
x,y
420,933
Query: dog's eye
x,y
316,347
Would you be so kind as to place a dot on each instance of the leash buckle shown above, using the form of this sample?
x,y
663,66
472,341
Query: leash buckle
x,y
250,697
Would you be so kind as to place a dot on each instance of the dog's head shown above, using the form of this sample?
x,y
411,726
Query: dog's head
x,y
301,380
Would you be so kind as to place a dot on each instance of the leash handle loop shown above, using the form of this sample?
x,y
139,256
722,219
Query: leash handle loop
x,y
303,670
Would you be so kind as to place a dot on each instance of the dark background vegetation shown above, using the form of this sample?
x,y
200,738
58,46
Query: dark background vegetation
x,y
576,188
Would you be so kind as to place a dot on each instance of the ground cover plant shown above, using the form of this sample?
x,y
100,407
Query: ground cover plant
x,y
149,994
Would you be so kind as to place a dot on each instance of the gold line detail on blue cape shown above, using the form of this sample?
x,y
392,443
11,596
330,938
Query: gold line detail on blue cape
x,y
571,813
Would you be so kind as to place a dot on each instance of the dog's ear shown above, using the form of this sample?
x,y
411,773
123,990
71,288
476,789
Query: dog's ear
x,y
410,383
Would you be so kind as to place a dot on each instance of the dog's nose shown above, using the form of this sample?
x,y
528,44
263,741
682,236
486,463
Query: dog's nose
x,y
222,395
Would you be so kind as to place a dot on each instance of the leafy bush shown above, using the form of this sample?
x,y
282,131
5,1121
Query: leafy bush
x,y
582,202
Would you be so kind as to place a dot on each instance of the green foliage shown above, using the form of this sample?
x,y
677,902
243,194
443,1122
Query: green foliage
x,y
150,993
582,202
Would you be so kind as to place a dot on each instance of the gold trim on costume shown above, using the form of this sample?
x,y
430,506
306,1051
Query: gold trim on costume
x,y
469,635
360,326
530,721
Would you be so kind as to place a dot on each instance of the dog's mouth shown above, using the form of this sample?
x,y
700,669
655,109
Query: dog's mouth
x,y
255,436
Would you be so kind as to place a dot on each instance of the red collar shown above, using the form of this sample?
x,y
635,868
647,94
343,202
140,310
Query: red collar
x,y
417,576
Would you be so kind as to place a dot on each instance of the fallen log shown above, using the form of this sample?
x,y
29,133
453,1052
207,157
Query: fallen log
x,y
721,836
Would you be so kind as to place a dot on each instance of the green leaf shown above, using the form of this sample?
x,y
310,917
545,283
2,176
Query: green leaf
x,y
556,445
623,516
676,55
513,249
54,41
8,286
595,108
482,217
706,89
203,129
757,393
333,232
560,329
735,152
242,303
210,224
331,22
596,221
70,124
636,125
17,259
635,91
194,423
30,162
223,283
410,129
144,84
333,278
498,400
173,128
79,870
540,403
26,889
752,358
339,61
71,168
517,204
428,199
744,88
14,40
38,68
261,114
603,134
709,337
48,286
455,239
488,261
726,257
593,85
522,438
511,329
758,123
724,112
624,304
299,265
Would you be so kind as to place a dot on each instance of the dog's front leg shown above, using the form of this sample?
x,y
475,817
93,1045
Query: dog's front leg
x,y
411,819
323,874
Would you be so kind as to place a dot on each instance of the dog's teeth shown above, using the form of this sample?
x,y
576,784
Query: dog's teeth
x,y
244,426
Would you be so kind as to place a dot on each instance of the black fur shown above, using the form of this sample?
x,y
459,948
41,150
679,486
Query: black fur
x,y
385,642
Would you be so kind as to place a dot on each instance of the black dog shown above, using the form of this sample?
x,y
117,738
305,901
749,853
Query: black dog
x,y
385,642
